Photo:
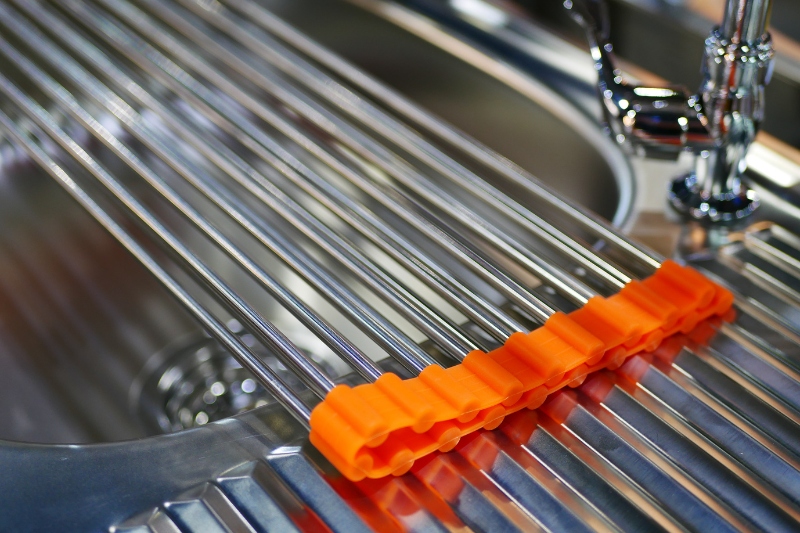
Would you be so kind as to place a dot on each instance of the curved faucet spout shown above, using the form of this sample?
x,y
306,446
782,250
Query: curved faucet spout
x,y
718,124
662,120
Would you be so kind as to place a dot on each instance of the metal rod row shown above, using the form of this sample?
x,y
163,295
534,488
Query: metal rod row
x,y
312,376
403,210
411,254
134,122
249,360
488,316
371,150
446,334
392,99
341,346
479,317
392,199
337,292
299,69
438,328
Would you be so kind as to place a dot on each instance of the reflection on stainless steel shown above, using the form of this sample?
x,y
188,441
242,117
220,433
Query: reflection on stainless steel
x,y
245,219
719,124
193,382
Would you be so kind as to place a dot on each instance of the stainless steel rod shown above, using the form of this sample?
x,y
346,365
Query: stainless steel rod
x,y
514,291
435,326
377,327
430,275
341,346
311,375
368,148
299,69
488,316
392,99
446,335
271,381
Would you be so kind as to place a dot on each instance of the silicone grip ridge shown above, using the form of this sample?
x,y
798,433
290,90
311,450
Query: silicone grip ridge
x,y
379,429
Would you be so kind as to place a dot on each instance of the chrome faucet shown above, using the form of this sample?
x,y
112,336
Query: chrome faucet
x,y
718,124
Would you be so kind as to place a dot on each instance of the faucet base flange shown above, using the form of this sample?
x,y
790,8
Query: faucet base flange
x,y
688,198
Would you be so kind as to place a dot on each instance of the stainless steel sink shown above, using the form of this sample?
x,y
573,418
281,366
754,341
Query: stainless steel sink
x,y
119,410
